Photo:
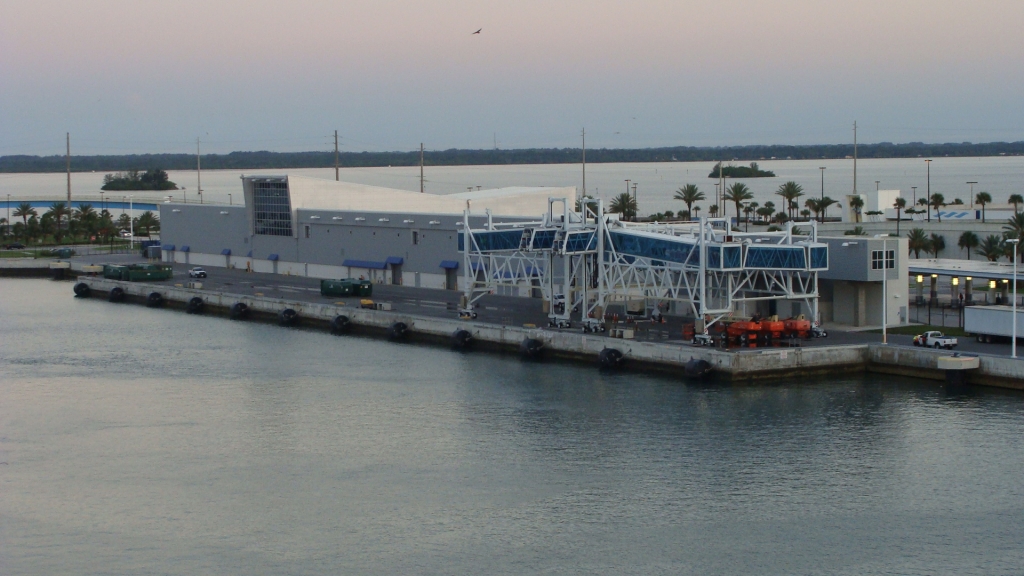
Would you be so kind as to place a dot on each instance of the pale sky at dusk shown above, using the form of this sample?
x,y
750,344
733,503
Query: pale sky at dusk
x,y
147,76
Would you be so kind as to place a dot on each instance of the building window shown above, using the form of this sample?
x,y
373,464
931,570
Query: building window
x,y
307,230
272,212
877,258
415,237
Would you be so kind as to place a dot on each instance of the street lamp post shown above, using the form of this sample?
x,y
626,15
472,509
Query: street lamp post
x,y
636,205
971,197
929,196
230,203
8,214
877,182
131,223
822,168
885,291
1013,348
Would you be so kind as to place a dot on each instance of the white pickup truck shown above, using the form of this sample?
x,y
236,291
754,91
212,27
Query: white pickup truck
x,y
935,339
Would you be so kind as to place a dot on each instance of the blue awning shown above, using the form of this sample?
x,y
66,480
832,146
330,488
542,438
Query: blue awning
x,y
365,264
185,248
225,252
168,247
394,260
450,264
273,257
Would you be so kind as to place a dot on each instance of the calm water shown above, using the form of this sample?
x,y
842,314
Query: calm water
x,y
1000,176
140,441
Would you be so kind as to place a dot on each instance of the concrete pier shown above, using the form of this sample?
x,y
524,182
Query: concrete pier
x,y
736,366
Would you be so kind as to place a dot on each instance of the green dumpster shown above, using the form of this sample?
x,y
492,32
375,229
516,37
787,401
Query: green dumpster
x,y
364,289
336,288
115,272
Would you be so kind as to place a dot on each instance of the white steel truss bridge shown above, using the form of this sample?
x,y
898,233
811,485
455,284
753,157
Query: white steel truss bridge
x,y
580,262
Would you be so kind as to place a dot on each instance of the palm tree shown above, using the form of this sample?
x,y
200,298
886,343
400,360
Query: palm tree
x,y
748,209
899,205
806,214
59,211
917,240
737,194
690,195
936,244
825,203
983,198
967,241
991,248
857,203
790,191
23,211
814,205
625,205
927,207
1016,199
713,210
1014,228
857,231
937,201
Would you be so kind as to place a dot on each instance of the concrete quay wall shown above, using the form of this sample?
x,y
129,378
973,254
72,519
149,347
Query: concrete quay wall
x,y
746,365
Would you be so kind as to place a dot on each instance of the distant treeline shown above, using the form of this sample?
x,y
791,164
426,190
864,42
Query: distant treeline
x,y
456,157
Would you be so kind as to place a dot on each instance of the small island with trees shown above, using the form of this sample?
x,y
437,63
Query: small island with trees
x,y
752,171
154,179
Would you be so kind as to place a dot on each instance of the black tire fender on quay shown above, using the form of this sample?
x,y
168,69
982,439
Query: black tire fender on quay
x,y
610,358
531,348
462,339
239,310
82,290
340,324
398,331
116,294
195,305
697,368
155,300
287,317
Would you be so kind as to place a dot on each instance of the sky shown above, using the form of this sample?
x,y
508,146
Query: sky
x,y
153,76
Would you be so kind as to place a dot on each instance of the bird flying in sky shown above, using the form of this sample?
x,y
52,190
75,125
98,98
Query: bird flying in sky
x,y
477,32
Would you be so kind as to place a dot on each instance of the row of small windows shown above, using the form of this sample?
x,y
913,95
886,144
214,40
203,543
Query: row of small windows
x,y
877,258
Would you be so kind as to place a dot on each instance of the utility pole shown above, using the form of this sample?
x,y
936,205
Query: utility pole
x,y
336,178
584,134
421,168
636,205
971,199
929,194
854,156
69,169
199,173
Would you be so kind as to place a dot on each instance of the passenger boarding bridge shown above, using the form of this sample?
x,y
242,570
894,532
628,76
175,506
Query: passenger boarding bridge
x,y
581,262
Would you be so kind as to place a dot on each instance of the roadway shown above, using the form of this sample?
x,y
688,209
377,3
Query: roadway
x,y
495,309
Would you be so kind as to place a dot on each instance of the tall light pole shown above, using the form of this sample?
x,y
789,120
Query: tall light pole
x,y
877,182
822,168
627,193
885,291
971,197
1013,348
8,214
636,205
230,203
131,222
929,196
914,203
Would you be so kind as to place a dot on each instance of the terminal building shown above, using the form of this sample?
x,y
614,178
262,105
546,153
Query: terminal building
x,y
327,229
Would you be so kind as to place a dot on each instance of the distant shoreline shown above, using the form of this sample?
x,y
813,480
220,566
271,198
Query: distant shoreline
x,y
263,160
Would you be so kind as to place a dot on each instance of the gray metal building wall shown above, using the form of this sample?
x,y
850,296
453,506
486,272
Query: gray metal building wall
x,y
206,229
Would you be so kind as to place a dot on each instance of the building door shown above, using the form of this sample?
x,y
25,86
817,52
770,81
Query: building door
x,y
396,273
451,279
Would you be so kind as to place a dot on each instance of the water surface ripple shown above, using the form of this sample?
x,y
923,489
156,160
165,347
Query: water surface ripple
x,y
139,441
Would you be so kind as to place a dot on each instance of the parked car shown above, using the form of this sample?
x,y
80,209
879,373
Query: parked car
x,y
197,272
126,234
15,246
935,339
